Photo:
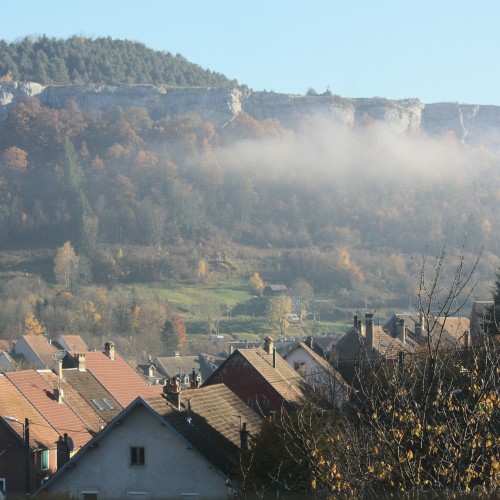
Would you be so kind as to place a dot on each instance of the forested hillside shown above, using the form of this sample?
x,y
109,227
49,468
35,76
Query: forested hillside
x,y
340,209
80,60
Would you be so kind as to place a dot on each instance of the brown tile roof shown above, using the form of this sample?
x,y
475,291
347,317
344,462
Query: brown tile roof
x,y
14,404
90,388
456,327
283,378
59,415
46,352
353,342
72,342
216,414
450,331
118,377
86,412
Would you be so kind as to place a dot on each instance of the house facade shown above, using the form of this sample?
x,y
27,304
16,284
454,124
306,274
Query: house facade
x,y
139,455
261,378
320,375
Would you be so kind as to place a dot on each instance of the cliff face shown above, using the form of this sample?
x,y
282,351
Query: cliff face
x,y
470,123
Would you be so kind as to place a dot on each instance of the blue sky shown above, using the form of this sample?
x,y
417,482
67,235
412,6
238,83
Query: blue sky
x,y
438,50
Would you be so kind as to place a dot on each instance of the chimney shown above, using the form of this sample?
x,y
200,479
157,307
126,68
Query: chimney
x,y
62,451
172,389
309,342
59,395
356,321
244,436
370,341
401,330
60,369
81,362
268,345
109,350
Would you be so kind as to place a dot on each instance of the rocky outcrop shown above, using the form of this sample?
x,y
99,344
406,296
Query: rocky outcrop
x,y
469,123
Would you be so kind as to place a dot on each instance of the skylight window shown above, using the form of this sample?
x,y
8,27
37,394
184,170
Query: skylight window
x,y
108,404
99,405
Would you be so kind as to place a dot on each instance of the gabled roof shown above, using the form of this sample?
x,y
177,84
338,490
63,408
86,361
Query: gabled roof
x,y
86,413
282,378
450,331
354,341
210,418
119,419
90,388
118,377
318,359
60,416
14,404
71,343
172,366
46,352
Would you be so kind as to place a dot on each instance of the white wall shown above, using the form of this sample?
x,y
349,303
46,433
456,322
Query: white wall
x,y
170,469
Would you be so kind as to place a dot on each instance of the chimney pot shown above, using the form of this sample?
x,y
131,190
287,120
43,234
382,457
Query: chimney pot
x,y
309,342
59,395
109,350
268,345
81,362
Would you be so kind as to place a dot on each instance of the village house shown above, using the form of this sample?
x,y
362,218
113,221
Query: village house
x,y
28,443
365,342
147,453
325,381
261,378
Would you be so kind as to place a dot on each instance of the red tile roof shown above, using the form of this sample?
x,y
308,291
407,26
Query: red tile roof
x,y
72,342
118,377
59,415
88,414
14,404
46,352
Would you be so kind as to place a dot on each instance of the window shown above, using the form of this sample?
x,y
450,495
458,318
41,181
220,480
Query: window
x,y
44,460
88,495
108,403
99,405
137,455
137,494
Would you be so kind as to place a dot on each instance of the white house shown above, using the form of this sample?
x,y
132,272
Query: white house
x,y
318,373
139,455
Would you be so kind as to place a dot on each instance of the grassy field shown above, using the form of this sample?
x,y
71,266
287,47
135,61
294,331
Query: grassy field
x,y
242,314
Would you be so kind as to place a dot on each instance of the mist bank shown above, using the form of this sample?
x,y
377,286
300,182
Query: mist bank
x,y
469,123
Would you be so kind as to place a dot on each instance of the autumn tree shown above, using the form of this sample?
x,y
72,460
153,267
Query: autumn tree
x,y
279,309
15,158
66,266
32,326
256,283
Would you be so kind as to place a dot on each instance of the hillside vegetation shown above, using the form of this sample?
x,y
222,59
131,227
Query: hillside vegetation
x,y
80,60
174,199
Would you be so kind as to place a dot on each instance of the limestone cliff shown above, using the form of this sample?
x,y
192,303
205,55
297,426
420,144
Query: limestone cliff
x,y
470,123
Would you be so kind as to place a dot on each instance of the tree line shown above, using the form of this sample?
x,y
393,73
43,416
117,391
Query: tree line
x,y
79,60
